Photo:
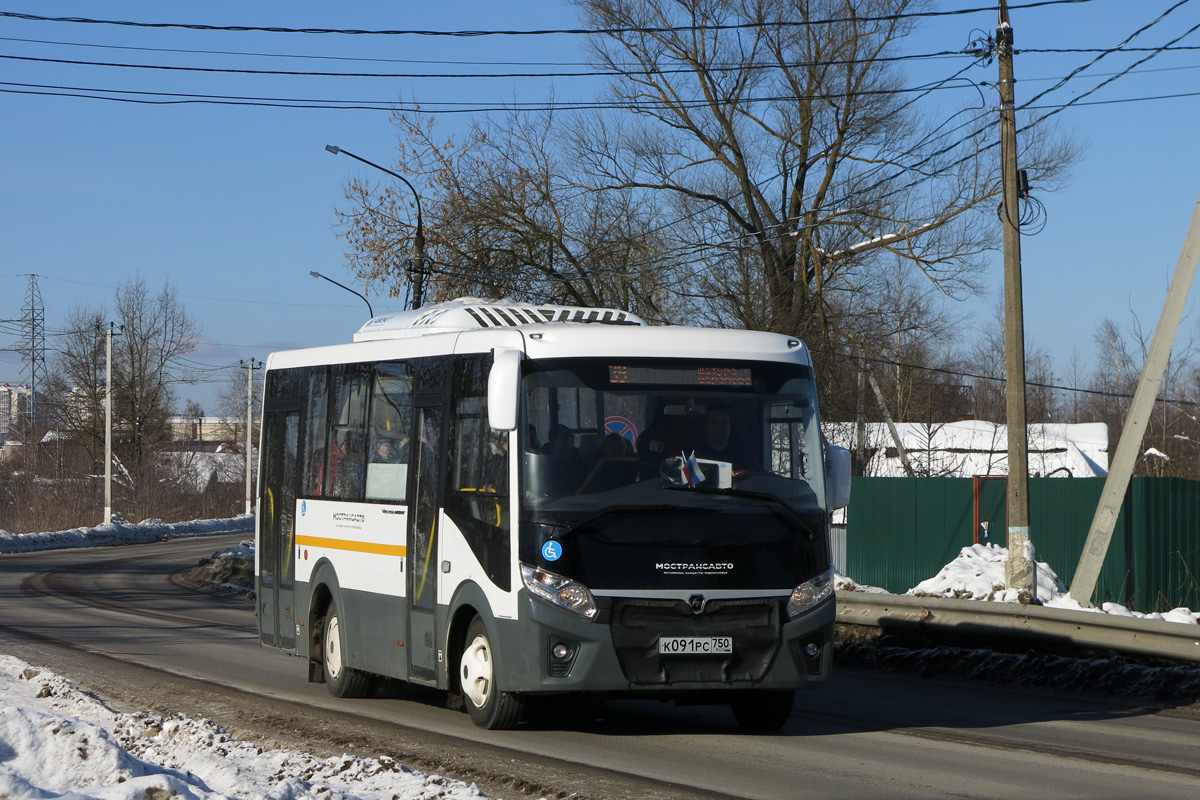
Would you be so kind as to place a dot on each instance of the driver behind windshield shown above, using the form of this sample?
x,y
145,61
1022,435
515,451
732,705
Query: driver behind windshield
x,y
719,442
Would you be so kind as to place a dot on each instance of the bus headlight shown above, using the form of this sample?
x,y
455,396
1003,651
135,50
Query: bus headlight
x,y
810,593
559,591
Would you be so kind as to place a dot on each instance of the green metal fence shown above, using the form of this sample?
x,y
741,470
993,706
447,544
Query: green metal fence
x,y
900,531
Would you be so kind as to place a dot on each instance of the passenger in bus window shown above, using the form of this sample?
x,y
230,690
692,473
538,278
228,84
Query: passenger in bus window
x,y
348,472
386,452
495,465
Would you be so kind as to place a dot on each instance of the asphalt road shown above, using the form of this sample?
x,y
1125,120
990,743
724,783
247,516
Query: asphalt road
x,y
114,621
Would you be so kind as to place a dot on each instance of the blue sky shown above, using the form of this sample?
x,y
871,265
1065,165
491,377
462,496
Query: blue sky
x,y
234,205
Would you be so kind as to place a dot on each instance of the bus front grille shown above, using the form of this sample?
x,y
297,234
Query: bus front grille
x,y
638,624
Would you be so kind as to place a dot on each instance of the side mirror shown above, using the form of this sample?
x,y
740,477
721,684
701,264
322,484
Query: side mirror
x,y
837,476
504,390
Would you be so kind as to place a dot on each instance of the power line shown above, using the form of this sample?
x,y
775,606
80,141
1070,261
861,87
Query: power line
x,y
1107,53
1052,386
713,68
593,73
459,107
542,32
303,56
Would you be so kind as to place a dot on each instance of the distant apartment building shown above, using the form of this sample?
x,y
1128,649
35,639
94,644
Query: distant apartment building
x,y
14,401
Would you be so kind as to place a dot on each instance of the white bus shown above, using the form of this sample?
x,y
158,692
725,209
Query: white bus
x,y
503,500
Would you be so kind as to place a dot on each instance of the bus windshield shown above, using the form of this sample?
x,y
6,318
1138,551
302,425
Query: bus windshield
x,y
599,434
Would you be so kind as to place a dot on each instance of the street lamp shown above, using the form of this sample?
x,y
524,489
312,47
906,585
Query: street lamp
x,y
418,237
316,274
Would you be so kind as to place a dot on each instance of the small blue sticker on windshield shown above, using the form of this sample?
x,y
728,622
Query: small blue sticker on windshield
x,y
552,551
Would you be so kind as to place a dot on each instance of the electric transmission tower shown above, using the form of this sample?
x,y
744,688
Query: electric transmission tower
x,y
33,350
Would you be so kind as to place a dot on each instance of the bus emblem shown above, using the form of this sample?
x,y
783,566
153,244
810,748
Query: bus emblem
x,y
696,601
552,551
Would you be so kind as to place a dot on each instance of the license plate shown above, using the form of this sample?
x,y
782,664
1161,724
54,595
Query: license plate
x,y
695,645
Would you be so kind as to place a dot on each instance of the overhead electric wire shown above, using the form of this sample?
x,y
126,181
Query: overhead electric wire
x,y
297,56
537,32
1051,386
1098,87
479,75
1107,53
391,106
440,107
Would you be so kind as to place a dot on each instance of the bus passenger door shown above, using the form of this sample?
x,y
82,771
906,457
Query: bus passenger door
x,y
423,543
277,511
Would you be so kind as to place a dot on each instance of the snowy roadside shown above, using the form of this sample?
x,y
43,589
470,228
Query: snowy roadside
x,y
121,532
56,741
977,573
59,742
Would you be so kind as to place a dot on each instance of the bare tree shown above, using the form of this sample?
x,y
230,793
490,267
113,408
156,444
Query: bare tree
x,y
756,163
505,218
231,403
155,333
76,380
1173,430
783,131
986,360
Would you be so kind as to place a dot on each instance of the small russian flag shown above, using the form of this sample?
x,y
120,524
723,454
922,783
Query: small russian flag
x,y
690,471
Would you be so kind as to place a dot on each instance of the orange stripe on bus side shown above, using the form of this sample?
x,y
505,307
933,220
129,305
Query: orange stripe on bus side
x,y
357,547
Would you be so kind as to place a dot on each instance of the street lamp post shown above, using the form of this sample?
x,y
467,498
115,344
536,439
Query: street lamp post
x,y
316,274
418,238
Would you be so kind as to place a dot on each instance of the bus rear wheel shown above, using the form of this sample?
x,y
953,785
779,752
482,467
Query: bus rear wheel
x,y
763,710
341,680
488,706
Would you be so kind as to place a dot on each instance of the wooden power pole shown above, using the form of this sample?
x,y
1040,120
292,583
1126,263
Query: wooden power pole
x,y
1019,573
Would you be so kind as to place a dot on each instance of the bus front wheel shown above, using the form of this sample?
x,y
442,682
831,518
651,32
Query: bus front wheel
x,y
341,680
487,705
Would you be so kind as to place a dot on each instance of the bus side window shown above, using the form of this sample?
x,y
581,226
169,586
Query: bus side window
x,y
316,445
479,465
389,449
348,412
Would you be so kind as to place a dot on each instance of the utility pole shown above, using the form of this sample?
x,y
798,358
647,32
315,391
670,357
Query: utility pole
x,y
1083,585
249,428
1019,572
887,417
108,425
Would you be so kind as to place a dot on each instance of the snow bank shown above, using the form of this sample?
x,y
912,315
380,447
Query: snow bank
x,y
122,532
56,741
978,574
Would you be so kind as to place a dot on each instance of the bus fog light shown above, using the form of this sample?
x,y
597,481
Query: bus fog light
x,y
812,649
563,653
810,594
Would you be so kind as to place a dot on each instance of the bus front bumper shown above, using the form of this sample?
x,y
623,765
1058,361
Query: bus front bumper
x,y
556,651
